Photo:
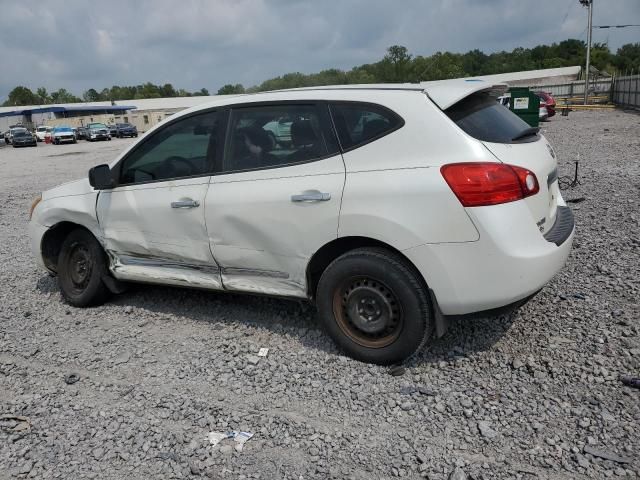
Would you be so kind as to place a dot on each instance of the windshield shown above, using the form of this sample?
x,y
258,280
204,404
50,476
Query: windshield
x,y
42,129
482,117
20,133
96,125
124,125
62,129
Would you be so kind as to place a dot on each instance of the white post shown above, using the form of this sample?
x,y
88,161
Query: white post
x,y
590,27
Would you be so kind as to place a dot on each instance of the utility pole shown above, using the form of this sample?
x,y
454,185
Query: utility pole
x,y
589,5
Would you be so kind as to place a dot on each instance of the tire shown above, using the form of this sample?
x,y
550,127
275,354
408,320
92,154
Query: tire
x,y
81,265
109,139
374,306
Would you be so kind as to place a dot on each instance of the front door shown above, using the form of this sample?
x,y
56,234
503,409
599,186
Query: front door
x,y
276,200
153,220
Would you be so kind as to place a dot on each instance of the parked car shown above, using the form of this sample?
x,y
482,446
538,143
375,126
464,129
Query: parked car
x,y
23,138
549,101
81,133
97,131
441,203
113,130
63,134
8,136
126,130
41,131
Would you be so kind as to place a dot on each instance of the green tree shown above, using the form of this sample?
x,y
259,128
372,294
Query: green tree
x,y
62,95
91,95
21,96
43,96
167,90
627,58
231,89
395,66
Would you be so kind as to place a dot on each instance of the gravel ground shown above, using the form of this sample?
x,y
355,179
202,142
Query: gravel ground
x,y
532,394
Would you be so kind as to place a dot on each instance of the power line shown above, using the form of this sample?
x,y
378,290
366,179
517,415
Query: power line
x,y
616,26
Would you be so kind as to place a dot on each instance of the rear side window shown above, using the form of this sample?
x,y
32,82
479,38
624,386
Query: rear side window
x,y
358,124
484,118
274,136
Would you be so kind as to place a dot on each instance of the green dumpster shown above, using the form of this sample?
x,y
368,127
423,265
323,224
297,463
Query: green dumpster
x,y
525,104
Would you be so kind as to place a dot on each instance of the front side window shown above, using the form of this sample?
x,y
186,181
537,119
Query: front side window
x,y
273,136
358,124
185,148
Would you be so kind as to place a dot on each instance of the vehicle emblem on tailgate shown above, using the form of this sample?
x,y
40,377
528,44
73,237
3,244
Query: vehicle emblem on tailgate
x,y
540,223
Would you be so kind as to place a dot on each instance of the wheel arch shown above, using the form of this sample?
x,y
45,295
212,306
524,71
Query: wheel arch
x,y
332,250
52,242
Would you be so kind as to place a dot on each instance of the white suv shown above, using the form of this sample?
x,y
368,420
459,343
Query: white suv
x,y
392,208
42,131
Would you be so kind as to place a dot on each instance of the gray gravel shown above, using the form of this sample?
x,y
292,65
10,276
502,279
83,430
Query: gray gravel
x,y
534,394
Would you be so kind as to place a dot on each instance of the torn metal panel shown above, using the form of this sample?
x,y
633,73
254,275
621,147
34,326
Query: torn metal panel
x,y
266,282
163,271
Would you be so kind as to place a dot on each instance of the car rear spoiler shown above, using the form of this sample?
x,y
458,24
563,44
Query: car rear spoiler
x,y
445,93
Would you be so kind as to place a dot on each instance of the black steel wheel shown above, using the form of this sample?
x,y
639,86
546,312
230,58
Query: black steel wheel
x,y
367,311
375,306
82,264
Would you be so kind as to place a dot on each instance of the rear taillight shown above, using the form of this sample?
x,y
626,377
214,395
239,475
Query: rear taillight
x,y
479,184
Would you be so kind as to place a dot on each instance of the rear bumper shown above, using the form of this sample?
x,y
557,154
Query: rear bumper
x,y
511,261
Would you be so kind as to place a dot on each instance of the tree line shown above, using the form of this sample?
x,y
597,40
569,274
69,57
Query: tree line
x,y
397,65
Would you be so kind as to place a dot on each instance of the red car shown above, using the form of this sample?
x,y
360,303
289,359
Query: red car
x,y
549,101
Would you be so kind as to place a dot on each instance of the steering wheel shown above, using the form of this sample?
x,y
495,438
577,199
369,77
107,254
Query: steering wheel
x,y
168,166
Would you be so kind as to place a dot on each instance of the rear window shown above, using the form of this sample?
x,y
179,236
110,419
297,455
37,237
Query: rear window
x,y
482,117
358,124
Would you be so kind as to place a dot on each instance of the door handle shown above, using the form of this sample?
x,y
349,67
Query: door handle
x,y
311,197
187,203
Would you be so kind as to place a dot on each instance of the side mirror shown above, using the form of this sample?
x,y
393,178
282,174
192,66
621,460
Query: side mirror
x,y
100,177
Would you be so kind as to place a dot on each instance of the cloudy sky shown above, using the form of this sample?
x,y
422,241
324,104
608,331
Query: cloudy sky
x,y
208,43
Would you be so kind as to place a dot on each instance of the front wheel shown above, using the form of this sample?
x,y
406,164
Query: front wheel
x,y
375,306
81,266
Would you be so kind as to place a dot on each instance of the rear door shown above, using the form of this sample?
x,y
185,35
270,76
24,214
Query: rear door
x,y
512,141
274,204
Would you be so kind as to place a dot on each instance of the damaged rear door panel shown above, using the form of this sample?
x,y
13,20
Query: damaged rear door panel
x,y
267,216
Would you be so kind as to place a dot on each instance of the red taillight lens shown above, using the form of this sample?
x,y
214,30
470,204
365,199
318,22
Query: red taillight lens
x,y
480,184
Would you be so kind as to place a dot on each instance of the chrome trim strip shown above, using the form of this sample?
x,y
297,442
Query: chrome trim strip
x,y
254,273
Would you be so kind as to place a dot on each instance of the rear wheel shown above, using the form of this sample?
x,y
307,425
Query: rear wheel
x,y
81,266
374,306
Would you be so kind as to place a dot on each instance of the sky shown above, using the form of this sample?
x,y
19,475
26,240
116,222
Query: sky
x,y
77,45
